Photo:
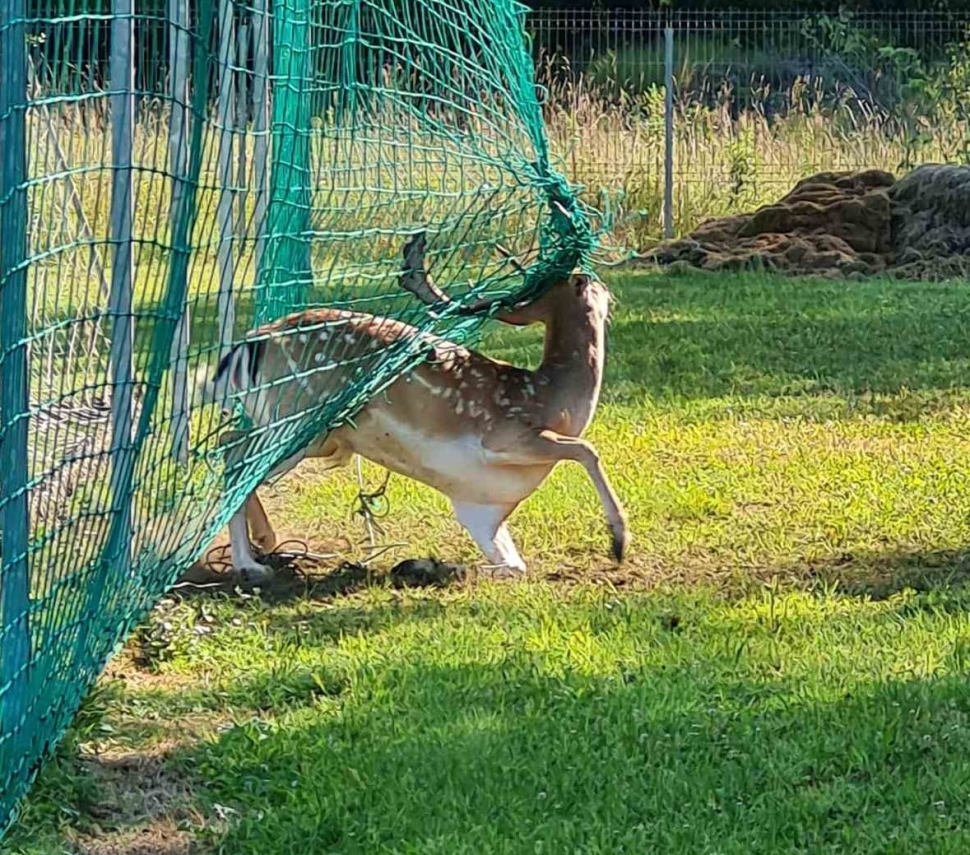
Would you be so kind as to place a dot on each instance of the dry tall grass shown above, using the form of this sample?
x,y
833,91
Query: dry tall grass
x,y
612,143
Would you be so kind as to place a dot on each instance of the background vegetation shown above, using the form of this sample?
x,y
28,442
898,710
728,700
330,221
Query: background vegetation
x,y
758,104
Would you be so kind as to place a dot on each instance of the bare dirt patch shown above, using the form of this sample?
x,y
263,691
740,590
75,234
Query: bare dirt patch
x,y
144,806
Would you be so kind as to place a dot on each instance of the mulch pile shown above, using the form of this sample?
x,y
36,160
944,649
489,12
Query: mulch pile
x,y
843,224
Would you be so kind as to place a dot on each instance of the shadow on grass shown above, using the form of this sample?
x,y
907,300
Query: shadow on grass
x,y
285,585
292,581
646,724
501,759
873,575
880,575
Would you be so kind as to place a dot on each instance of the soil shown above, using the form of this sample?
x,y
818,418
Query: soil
x,y
843,224
144,808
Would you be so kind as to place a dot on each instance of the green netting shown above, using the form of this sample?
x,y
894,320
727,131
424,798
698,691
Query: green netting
x,y
174,173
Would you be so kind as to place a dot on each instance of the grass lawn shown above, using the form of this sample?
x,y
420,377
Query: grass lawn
x,y
782,666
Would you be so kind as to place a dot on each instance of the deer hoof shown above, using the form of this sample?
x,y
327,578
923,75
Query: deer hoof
x,y
504,571
621,543
253,574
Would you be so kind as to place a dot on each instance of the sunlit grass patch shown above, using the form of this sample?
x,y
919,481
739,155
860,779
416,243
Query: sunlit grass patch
x,y
781,666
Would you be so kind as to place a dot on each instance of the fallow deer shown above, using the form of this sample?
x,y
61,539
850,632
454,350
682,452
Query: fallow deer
x,y
482,432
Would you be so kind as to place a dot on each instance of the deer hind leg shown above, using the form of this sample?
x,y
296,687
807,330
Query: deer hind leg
x,y
243,560
250,515
486,524
261,531
250,525
550,447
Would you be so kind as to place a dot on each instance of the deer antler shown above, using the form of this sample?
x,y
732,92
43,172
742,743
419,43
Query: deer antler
x,y
416,278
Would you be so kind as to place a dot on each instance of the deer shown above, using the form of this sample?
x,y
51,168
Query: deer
x,y
480,431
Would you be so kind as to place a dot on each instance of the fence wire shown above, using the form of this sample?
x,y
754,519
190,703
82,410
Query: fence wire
x,y
759,101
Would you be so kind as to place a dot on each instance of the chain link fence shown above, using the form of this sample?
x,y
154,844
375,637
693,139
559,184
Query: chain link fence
x,y
671,118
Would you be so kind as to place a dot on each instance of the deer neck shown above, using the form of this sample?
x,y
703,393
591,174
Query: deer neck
x,y
572,364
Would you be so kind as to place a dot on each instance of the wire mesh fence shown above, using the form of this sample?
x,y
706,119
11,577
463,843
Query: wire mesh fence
x,y
756,101
759,100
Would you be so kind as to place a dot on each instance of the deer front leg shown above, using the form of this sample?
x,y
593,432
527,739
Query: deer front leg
x,y
486,524
550,447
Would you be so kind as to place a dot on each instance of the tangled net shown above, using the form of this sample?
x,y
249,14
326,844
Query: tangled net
x,y
184,179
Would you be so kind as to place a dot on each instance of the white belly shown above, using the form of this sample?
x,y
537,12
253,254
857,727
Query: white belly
x,y
460,467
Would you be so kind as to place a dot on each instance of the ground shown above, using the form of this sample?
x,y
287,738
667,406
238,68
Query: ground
x,y
781,667
843,224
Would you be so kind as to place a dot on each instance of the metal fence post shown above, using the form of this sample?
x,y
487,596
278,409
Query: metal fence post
x,y
668,209
115,564
261,113
122,274
226,261
242,126
178,69
14,389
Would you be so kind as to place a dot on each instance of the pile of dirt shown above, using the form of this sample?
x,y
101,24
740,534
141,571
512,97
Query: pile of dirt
x,y
931,222
839,224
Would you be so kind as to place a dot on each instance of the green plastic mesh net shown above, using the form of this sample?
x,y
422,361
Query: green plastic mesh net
x,y
173,174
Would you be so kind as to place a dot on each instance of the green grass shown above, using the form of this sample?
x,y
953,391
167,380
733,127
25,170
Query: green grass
x,y
782,667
